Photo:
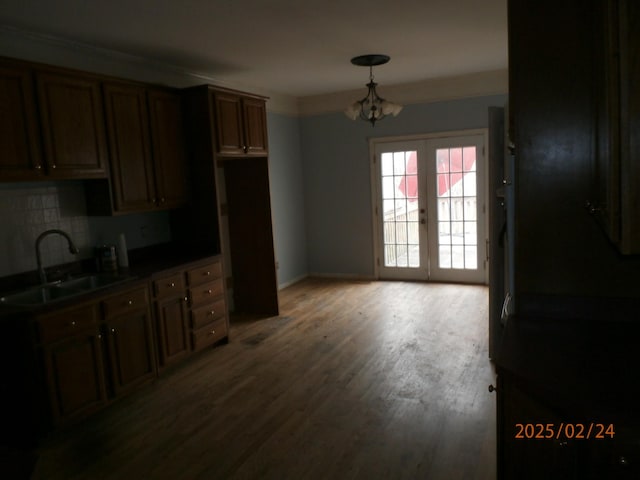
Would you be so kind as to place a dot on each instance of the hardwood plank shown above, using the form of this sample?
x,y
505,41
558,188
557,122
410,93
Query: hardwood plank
x,y
353,380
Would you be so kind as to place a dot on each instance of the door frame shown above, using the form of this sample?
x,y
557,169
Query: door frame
x,y
375,190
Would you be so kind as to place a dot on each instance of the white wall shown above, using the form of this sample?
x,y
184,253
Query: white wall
x,y
337,177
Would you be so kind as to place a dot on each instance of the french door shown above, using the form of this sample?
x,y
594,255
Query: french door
x,y
430,208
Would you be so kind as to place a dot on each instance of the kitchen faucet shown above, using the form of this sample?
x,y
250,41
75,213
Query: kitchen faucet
x,y
72,248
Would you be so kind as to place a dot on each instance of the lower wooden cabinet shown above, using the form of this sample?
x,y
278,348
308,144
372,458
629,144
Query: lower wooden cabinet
x,y
94,352
171,318
191,311
75,376
72,361
130,339
209,318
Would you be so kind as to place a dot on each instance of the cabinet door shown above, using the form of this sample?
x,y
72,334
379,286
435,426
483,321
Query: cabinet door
x,y
255,124
72,125
616,172
629,16
19,144
169,151
129,145
131,353
75,376
230,137
172,330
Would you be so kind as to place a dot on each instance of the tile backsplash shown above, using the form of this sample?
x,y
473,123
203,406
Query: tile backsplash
x,y
28,209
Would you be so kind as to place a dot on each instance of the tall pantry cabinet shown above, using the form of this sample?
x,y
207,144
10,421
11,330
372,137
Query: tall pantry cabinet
x,y
231,208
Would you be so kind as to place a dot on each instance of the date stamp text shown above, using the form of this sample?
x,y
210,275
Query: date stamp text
x,y
564,431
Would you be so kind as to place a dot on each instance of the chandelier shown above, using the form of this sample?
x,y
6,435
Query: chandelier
x,y
372,107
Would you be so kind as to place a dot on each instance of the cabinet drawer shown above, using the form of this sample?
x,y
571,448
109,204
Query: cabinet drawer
x,y
125,302
169,286
209,334
204,315
204,274
67,323
205,293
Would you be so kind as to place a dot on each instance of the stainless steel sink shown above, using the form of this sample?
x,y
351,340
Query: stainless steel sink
x,y
39,295
92,282
61,290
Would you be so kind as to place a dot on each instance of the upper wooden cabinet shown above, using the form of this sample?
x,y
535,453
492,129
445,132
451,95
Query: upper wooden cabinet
x,y
72,122
169,154
616,196
19,134
130,148
241,124
146,145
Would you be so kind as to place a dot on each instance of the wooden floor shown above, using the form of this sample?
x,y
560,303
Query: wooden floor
x,y
366,380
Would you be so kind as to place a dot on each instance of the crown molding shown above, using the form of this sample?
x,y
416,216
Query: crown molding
x,y
62,52
54,50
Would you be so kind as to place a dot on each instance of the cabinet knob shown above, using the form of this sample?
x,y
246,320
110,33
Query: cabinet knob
x,y
171,285
113,330
209,291
623,461
492,389
153,200
212,332
53,166
212,313
73,323
207,273
162,200
38,167
186,299
130,302
99,336
245,148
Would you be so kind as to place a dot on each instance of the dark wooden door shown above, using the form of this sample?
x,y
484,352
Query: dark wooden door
x,y
73,127
230,137
255,126
172,317
75,376
19,143
131,353
130,149
169,151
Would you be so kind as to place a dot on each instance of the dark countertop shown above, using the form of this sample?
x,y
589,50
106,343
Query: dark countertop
x,y
583,367
144,265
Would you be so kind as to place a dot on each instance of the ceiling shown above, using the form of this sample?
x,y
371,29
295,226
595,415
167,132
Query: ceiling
x,y
294,47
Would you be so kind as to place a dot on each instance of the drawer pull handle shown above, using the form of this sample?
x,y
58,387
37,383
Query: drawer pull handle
x,y
212,332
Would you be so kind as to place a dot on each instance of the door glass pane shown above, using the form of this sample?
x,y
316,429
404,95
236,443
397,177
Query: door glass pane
x,y
457,208
399,182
